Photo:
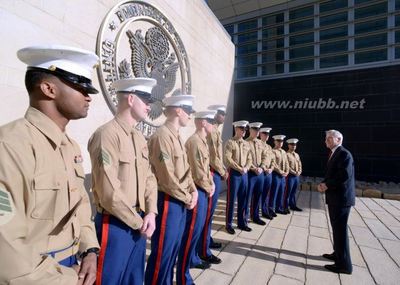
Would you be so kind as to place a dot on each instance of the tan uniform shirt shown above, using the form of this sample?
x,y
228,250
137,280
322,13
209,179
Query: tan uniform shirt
x,y
199,160
170,164
268,157
41,170
256,151
281,164
237,154
216,157
122,179
295,166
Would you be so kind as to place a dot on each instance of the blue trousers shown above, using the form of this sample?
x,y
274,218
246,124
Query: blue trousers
x,y
166,240
205,238
256,183
266,194
123,252
237,187
292,184
339,217
194,225
277,190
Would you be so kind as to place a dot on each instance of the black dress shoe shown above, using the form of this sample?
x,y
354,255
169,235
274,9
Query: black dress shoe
x,y
204,265
212,259
230,230
245,228
259,222
268,216
330,256
286,211
281,212
215,245
295,208
336,269
273,214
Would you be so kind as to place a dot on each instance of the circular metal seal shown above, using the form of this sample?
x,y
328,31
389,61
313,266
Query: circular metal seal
x,y
136,40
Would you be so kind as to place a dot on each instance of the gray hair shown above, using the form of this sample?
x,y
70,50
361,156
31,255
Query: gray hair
x,y
335,134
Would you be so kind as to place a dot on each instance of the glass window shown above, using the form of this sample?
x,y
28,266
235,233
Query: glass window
x,y
301,65
301,39
397,52
397,37
272,20
242,38
371,56
372,10
273,44
273,56
246,60
301,26
397,20
272,68
272,32
332,5
333,33
397,4
370,41
229,29
333,47
301,52
362,1
247,72
332,61
249,25
370,26
249,48
333,19
301,13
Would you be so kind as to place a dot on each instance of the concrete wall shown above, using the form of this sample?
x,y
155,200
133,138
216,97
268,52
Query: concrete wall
x,y
76,23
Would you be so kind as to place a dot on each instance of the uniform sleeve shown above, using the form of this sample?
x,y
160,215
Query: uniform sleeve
x,y
290,158
20,262
249,159
215,160
104,154
264,159
275,165
196,162
161,158
286,163
300,166
228,157
151,192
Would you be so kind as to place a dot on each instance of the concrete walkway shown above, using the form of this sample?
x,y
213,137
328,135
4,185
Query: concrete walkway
x,y
288,249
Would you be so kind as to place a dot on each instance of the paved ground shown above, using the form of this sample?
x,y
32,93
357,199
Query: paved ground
x,y
287,251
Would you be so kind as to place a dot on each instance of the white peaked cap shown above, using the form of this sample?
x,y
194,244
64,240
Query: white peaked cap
x,y
255,125
74,60
142,84
205,115
179,100
217,108
265,130
292,140
279,137
240,123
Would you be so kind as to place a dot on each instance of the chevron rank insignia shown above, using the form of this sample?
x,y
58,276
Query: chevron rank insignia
x,y
163,156
105,158
7,210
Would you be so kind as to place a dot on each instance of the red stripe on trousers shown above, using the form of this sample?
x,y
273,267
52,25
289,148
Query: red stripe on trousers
x,y
205,232
161,239
187,247
103,247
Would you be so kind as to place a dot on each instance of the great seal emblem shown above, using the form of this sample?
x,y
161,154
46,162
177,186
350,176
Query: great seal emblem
x,y
136,40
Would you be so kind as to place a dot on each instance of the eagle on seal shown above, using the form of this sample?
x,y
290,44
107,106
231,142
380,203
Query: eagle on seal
x,y
151,58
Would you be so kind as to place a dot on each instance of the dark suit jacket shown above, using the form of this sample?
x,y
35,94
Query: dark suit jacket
x,y
339,179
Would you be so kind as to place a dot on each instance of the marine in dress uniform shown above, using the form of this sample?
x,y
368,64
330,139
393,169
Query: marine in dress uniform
x,y
281,170
268,158
124,186
237,158
292,180
176,189
339,188
219,173
47,225
199,161
256,175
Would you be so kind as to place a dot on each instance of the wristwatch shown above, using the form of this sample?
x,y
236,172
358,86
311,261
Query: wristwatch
x,y
90,250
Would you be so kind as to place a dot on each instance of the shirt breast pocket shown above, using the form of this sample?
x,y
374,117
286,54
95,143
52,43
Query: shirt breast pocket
x,y
125,161
45,188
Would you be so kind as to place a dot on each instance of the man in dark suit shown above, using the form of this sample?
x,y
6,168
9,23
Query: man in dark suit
x,y
338,186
